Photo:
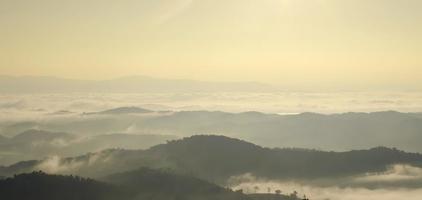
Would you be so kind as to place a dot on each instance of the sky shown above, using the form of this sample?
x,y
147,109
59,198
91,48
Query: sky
x,y
374,43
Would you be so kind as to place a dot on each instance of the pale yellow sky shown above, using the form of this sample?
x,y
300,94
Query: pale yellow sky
x,y
290,42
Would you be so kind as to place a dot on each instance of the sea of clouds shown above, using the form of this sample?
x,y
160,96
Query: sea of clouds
x,y
26,105
398,182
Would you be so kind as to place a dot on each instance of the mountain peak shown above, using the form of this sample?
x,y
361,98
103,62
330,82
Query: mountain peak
x,y
123,110
208,143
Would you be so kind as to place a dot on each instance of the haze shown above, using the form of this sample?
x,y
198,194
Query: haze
x,y
210,99
297,43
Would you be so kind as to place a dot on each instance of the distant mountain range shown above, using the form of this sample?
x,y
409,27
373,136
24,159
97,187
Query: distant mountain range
x,y
121,110
218,158
344,131
340,132
37,144
40,84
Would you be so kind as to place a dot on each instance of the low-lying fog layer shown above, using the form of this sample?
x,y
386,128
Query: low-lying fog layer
x,y
283,103
61,125
336,193
78,117
399,182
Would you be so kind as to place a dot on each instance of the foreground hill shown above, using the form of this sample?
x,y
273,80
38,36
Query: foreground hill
x,y
40,186
141,184
158,184
217,158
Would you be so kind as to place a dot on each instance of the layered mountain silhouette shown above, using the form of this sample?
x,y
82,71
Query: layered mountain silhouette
x,y
123,110
36,144
339,132
217,158
342,132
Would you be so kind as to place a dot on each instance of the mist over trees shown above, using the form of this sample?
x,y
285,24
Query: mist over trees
x,y
218,158
339,132
37,144
309,149
141,184
210,100
110,142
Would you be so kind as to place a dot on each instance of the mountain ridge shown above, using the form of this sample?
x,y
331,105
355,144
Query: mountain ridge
x,y
140,184
217,158
121,110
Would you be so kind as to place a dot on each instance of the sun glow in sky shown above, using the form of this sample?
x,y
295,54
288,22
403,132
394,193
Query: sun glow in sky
x,y
286,42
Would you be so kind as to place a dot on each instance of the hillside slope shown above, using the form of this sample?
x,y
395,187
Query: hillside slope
x,y
217,158
141,184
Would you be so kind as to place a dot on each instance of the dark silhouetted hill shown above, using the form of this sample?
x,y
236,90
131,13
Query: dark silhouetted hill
x,y
141,184
40,186
163,184
217,158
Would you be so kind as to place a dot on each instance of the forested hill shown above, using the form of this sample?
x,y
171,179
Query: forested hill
x,y
166,185
141,184
40,186
216,158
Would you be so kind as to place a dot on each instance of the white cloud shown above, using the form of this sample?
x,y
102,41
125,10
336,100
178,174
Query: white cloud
x,y
353,188
395,173
56,164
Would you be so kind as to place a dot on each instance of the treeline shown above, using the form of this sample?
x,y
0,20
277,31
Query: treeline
x,y
141,184
40,186
217,158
